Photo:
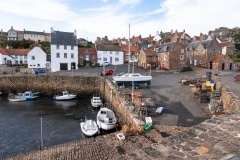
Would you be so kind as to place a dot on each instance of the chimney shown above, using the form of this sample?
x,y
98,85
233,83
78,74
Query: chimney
x,y
75,32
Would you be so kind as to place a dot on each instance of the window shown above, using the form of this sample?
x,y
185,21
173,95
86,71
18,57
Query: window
x,y
110,52
33,57
58,55
116,53
104,59
65,47
57,46
38,65
72,55
72,47
116,59
182,50
165,58
65,55
181,57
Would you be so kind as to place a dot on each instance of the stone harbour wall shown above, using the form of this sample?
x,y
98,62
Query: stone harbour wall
x,y
49,85
121,107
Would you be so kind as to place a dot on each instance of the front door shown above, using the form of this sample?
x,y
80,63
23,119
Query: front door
x,y
63,66
110,60
223,66
230,66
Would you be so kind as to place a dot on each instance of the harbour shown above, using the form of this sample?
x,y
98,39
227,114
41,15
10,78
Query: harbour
x,y
153,144
21,123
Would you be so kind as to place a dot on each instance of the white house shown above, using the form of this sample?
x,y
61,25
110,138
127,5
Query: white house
x,y
37,58
110,53
13,56
64,51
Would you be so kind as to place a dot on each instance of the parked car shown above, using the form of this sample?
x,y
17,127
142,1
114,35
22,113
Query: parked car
x,y
105,64
107,72
39,71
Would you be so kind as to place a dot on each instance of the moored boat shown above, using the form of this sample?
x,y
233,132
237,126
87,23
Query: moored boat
x,y
96,101
16,98
89,127
29,95
106,119
65,96
130,79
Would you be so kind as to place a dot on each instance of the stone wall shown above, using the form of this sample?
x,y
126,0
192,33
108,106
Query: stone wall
x,y
231,103
50,84
120,105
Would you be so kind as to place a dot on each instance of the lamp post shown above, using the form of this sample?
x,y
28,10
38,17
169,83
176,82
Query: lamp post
x,y
41,136
150,68
72,70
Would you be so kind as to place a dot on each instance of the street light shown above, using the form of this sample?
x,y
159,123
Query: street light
x,y
150,68
72,70
41,136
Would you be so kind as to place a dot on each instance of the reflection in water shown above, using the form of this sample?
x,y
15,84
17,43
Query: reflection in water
x,y
65,104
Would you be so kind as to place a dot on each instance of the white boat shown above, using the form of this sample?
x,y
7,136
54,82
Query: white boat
x,y
16,98
65,96
89,127
130,79
29,95
106,119
96,101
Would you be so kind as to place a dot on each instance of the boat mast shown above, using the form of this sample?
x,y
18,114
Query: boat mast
x,y
129,55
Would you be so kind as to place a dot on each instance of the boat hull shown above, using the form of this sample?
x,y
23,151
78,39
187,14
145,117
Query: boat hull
x,y
134,83
16,99
65,96
96,102
89,128
105,126
106,119
130,79
62,98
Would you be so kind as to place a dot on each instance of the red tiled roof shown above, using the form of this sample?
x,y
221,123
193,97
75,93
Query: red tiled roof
x,y
216,58
14,51
87,51
20,32
125,48
180,34
3,51
18,51
149,52
135,39
47,34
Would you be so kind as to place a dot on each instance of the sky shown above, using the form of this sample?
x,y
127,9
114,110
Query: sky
x,y
119,18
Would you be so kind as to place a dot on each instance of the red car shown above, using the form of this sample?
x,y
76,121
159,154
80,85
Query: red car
x,y
107,72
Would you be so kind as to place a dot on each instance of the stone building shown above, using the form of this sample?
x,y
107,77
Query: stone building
x,y
172,56
129,52
87,56
148,59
